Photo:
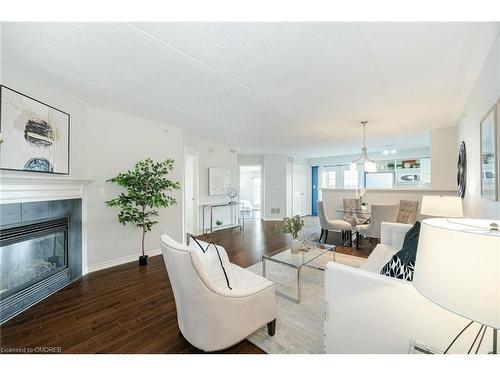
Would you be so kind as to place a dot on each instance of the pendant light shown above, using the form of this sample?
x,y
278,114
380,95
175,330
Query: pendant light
x,y
368,164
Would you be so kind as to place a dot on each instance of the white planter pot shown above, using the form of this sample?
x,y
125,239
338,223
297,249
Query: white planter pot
x,y
295,246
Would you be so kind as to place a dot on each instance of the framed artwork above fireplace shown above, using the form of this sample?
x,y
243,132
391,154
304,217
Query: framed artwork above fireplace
x,y
34,135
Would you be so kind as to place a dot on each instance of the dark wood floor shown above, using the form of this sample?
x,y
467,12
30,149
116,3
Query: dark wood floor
x,y
131,309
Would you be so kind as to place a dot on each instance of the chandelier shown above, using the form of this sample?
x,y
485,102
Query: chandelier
x,y
368,164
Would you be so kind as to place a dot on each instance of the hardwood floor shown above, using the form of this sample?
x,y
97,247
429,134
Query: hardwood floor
x,y
131,309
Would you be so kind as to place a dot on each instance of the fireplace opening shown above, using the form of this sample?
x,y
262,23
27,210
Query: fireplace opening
x,y
30,253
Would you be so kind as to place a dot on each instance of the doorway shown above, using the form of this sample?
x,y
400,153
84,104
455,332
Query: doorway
x,y
251,191
191,193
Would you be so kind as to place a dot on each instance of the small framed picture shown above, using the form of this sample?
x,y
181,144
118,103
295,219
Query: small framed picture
x,y
34,135
218,181
489,154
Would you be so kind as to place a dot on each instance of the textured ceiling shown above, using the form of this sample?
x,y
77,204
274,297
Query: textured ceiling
x,y
297,88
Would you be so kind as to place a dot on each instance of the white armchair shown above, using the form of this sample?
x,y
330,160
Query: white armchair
x,y
370,313
380,213
210,318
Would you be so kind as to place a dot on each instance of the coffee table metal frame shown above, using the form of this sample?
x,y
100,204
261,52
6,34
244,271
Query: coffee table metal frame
x,y
269,257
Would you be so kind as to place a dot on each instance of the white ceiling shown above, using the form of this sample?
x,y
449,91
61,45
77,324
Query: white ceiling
x,y
295,88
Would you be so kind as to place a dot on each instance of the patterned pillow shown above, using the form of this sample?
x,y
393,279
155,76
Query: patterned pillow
x,y
399,269
402,264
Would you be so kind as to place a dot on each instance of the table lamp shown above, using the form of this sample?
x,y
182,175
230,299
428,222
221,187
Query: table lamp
x,y
458,268
441,206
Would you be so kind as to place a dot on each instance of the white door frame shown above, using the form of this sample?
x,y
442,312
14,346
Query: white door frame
x,y
196,193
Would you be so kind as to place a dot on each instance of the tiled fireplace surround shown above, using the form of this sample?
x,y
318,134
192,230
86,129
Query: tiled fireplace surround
x,y
27,200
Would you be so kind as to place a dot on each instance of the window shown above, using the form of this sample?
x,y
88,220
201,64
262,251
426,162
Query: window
x,y
351,179
329,179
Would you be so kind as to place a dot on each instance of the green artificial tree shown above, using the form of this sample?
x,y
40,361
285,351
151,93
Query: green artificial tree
x,y
146,190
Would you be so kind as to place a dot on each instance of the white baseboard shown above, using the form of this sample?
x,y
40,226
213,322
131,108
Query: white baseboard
x,y
272,218
118,261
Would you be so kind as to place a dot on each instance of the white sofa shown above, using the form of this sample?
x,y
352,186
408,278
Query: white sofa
x,y
209,317
370,313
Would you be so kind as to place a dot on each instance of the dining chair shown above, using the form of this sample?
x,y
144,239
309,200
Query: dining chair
x,y
379,213
332,224
351,204
407,212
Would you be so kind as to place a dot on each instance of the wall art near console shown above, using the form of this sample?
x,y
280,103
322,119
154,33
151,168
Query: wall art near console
x,y
218,181
489,155
35,135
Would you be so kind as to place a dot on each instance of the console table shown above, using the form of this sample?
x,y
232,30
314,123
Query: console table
x,y
236,219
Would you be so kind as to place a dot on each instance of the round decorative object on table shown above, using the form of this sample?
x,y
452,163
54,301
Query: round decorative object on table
x,y
232,191
461,170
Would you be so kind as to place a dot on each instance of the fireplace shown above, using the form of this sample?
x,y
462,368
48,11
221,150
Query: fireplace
x,y
40,251
31,253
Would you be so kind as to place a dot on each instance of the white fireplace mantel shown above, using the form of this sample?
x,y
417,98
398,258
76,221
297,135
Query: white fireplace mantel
x,y
35,188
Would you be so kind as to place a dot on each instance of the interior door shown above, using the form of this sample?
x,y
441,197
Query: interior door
x,y
301,185
314,190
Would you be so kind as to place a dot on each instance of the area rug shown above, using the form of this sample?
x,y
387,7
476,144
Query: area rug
x,y
299,327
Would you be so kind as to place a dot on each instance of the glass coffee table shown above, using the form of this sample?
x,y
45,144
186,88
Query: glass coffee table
x,y
285,257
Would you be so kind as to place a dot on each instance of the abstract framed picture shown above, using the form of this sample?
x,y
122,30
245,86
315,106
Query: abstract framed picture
x,y
218,180
35,135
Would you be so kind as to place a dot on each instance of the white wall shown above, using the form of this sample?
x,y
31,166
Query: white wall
x,y
484,94
212,155
249,159
115,143
275,174
104,143
444,158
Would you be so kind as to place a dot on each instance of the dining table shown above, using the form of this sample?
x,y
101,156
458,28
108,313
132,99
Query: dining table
x,y
362,215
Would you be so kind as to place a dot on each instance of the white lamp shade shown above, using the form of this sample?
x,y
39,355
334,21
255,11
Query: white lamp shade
x,y
458,267
442,206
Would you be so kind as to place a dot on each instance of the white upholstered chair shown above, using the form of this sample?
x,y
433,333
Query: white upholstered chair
x,y
408,211
331,224
351,204
209,317
379,213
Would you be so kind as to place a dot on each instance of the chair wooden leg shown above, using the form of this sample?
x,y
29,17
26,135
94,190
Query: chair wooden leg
x,y
349,233
326,235
321,235
271,327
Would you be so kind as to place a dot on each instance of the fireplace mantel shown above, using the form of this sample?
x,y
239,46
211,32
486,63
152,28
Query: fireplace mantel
x,y
35,188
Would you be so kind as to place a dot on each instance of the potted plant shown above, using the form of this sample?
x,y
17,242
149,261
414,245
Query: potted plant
x,y
293,225
145,192
219,223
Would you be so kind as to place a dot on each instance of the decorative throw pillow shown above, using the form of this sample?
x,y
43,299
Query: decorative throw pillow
x,y
216,262
402,264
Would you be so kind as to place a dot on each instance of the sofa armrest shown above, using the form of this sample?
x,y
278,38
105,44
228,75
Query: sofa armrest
x,y
371,313
393,234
